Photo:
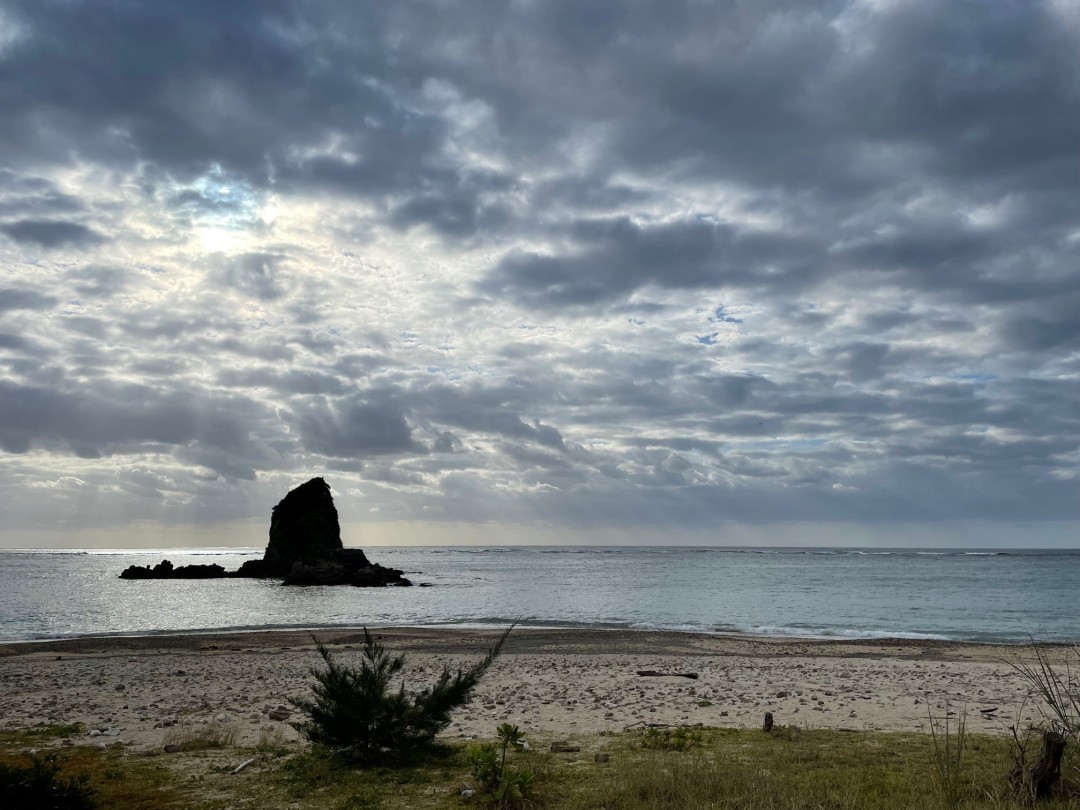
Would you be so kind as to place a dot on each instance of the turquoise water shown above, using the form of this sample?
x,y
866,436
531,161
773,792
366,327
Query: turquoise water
x,y
867,593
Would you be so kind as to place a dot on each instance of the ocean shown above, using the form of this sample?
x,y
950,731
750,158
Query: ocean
x,y
1002,596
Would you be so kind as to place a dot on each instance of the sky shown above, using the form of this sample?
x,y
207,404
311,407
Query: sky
x,y
672,272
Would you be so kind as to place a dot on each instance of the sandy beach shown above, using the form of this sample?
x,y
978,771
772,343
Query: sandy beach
x,y
550,682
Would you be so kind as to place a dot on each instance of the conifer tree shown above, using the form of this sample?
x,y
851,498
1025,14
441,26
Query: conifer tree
x,y
354,712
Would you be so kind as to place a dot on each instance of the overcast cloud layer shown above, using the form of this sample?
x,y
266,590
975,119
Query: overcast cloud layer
x,y
674,265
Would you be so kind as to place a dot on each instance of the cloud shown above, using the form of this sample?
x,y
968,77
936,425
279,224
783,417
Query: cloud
x,y
618,257
115,418
354,428
50,234
600,264
12,299
260,275
99,281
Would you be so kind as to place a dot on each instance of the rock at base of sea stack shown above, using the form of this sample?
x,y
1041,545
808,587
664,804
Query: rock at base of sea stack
x,y
166,570
330,573
304,549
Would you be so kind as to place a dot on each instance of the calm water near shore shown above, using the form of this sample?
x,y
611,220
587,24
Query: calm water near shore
x,y
963,595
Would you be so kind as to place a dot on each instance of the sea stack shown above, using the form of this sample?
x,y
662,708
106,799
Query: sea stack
x,y
304,548
304,527
304,531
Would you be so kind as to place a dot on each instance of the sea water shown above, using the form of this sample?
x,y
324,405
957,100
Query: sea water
x,y
857,593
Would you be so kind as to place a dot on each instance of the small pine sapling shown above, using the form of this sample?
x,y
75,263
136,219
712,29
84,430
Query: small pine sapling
x,y
355,713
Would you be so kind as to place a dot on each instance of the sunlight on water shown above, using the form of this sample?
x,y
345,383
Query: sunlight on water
x,y
837,593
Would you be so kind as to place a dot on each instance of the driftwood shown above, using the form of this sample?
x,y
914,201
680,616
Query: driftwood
x,y
1039,779
652,673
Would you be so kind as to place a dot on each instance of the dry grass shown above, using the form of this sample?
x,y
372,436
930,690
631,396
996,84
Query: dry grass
x,y
1056,684
272,739
116,779
188,735
727,768
821,769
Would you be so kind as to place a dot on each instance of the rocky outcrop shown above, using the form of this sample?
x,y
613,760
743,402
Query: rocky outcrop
x,y
166,570
304,528
304,549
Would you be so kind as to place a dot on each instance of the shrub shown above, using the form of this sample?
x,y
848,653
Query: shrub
x,y
353,711
39,784
672,739
507,786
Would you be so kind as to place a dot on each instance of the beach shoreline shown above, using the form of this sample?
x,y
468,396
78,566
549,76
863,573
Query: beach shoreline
x,y
148,637
549,681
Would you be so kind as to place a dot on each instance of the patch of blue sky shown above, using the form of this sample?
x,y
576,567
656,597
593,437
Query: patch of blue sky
x,y
720,315
217,199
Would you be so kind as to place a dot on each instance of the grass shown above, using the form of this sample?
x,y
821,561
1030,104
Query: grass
x,y
823,769
272,741
191,736
115,779
38,735
1057,687
727,768
39,783
950,749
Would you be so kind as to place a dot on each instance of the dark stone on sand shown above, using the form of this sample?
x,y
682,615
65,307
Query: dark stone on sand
x,y
304,549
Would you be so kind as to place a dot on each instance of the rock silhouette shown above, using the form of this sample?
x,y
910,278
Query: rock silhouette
x,y
305,548
165,570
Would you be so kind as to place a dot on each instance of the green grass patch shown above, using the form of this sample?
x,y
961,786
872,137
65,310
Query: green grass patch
x,y
37,735
317,778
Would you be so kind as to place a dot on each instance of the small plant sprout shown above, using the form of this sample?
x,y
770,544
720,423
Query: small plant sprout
x,y
510,735
507,786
